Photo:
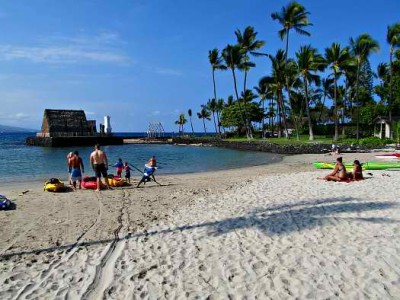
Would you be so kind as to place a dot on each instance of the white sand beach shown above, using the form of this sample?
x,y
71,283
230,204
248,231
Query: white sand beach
x,y
266,232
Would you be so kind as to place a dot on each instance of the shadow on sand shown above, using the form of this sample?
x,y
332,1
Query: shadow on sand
x,y
271,220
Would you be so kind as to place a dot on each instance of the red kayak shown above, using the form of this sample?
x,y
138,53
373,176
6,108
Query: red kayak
x,y
389,156
89,183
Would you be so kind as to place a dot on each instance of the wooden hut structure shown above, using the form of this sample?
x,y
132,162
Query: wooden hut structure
x,y
66,123
383,127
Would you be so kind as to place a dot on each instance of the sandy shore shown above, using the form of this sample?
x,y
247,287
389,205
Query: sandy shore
x,y
267,232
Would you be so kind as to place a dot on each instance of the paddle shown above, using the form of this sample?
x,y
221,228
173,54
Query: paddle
x,y
140,171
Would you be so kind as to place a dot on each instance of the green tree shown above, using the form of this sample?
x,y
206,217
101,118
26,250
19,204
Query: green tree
x,y
381,90
248,43
212,108
204,114
219,108
361,48
279,73
336,59
308,63
264,92
231,115
293,16
181,122
393,39
233,57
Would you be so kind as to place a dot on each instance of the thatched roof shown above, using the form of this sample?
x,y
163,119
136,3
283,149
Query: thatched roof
x,y
65,121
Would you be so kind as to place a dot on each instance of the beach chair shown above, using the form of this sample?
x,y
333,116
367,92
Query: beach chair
x,y
148,175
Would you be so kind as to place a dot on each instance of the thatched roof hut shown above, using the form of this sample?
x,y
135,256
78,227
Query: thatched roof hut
x,y
62,122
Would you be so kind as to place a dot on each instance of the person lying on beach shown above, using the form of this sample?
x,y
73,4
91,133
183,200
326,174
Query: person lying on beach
x,y
338,173
357,171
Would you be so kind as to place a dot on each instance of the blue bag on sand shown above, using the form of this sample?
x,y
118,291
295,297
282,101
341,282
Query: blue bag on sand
x,y
4,202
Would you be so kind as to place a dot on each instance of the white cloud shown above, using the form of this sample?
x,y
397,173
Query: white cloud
x,y
104,47
60,55
14,117
166,71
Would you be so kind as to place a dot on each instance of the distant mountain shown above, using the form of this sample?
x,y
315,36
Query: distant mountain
x,y
4,128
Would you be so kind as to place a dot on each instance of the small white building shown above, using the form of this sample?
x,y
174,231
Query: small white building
x,y
383,128
107,125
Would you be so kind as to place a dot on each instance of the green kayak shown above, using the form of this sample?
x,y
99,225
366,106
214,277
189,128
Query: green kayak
x,y
369,165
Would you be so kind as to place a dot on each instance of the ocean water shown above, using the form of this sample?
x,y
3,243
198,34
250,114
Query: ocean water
x,y
19,162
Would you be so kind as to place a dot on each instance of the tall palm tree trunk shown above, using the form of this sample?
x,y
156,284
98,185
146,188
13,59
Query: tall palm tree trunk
x,y
310,127
282,108
204,125
357,104
346,86
191,124
244,119
287,81
391,87
336,137
215,124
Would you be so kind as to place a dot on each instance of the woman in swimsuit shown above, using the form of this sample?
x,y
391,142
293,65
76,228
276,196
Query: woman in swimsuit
x,y
338,173
357,171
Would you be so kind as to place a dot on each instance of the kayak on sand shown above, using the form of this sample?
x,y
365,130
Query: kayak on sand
x,y
369,165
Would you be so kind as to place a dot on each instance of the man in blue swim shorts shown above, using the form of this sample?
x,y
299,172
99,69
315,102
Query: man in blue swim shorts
x,y
77,169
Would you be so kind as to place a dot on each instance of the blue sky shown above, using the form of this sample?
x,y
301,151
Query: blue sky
x,y
141,61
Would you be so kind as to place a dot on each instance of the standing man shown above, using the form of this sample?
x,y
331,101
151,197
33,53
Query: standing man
x,y
99,162
77,168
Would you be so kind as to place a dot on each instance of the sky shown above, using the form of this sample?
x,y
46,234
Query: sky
x,y
142,61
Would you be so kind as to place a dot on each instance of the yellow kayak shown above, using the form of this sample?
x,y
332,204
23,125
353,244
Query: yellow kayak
x,y
54,185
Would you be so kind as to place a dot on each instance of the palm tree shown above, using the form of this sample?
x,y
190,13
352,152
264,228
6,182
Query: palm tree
x,y
308,62
393,39
220,106
264,92
190,117
181,122
212,108
204,114
248,43
216,64
383,76
293,16
233,57
336,59
361,48
278,83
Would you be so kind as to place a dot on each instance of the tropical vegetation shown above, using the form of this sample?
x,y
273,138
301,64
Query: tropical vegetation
x,y
331,92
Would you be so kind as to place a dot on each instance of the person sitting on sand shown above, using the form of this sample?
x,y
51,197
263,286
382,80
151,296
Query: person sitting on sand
x,y
338,173
357,171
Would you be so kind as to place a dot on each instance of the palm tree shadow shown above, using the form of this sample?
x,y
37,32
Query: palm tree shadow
x,y
287,218
272,220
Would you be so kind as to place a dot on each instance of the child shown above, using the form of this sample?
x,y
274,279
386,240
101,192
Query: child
x,y
152,162
127,172
118,166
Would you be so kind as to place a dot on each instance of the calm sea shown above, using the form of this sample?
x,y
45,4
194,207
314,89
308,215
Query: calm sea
x,y
19,162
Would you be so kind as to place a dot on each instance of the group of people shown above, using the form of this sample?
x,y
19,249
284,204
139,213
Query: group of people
x,y
120,166
99,163
340,173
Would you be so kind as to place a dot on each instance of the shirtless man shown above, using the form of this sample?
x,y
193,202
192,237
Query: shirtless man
x,y
99,162
76,165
